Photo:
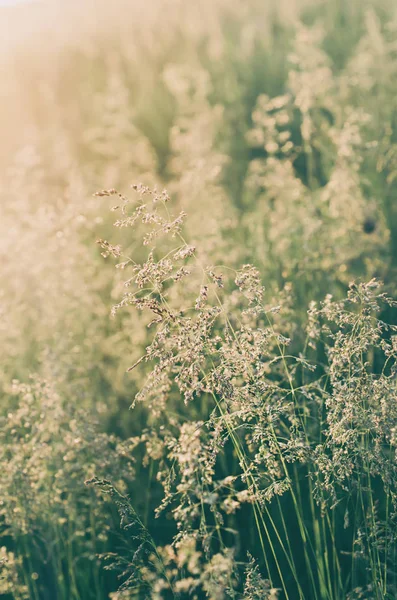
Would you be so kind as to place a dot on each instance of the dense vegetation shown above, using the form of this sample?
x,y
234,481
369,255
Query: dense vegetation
x,y
198,242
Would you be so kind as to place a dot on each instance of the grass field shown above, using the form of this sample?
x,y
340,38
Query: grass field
x,y
198,300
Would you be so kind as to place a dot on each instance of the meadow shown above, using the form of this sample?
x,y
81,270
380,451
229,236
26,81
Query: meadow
x,y
198,300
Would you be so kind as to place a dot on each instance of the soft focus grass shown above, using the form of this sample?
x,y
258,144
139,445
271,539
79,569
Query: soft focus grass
x,y
273,125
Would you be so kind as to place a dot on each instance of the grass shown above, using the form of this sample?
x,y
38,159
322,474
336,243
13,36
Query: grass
x,y
208,341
